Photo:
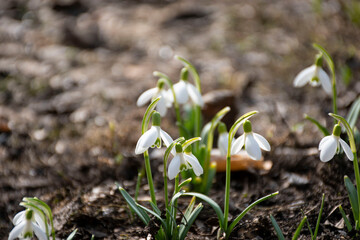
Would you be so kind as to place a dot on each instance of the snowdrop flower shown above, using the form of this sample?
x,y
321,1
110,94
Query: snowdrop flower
x,y
183,161
252,142
20,217
152,94
315,76
183,90
153,136
330,144
26,227
223,139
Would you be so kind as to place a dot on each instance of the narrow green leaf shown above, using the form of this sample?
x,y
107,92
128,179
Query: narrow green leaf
x,y
140,212
309,227
152,213
278,231
187,214
353,197
346,220
319,217
354,113
298,230
319,125
156,209
72,235
205,198
190,221
242,214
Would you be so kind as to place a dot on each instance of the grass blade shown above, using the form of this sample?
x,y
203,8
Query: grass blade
x,y
278,231
319,217
72,235
242,214
140,212
190,221
298,230
353,197
346,220
319,125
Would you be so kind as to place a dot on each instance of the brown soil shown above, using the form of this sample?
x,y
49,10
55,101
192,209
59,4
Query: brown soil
x,y
69,68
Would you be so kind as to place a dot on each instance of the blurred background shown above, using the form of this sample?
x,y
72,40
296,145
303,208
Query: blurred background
x,y
71,71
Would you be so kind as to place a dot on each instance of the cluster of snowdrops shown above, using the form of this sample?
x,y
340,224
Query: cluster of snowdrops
x,y
187,162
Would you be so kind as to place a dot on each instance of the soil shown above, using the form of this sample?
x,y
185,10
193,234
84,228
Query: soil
x,y
72,70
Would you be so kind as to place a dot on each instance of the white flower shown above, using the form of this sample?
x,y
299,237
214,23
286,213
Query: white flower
x,y
153,137
315,76
223,138
183,161
153,93
251,141
26,226
20,217
183,90
330,144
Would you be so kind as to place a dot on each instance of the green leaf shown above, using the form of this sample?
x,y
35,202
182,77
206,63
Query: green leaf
x,y
205,198
147,115
156,209
242,214
190,221
153,213
353,197
298,230
319,217
140,212
72,235
319,125
278,231
346,220
354,113
187,214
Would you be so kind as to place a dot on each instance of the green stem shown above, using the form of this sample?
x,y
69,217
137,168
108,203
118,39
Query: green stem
x,y
227,190
355,160
149,177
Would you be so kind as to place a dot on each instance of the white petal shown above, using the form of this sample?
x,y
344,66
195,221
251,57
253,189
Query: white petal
x,y
181,93
304,76
347,149
146,140
19,217
194,94
263,143
166,138
168,97
325,81
146,96
161,106
17,230
40,222
328,149
238,144
323,141
39,233
174,167
223,143
252,147
190,158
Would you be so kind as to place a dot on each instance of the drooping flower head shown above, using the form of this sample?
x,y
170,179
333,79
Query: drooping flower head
x,y
25,226
315,76
252,142
185,90
182,161
223,139
152,94
153,137
329,145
